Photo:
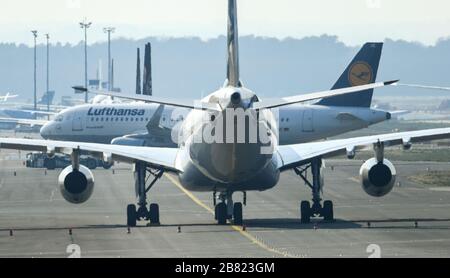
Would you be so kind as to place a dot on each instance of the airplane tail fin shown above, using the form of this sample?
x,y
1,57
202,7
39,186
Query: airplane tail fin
x,y
233,46
361,71
148,86
47,98
138,73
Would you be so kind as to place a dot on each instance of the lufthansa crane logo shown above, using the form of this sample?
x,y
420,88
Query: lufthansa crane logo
x,y
360,74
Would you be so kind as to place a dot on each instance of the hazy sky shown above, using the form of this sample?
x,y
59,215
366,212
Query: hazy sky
x,y
353,21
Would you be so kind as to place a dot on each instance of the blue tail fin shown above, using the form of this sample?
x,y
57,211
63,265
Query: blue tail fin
x,y
362,70
47,98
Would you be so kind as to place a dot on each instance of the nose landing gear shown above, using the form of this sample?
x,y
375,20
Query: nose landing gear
x,y
227,210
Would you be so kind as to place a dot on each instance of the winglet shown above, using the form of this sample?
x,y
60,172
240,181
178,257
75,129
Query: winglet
x,y
156,119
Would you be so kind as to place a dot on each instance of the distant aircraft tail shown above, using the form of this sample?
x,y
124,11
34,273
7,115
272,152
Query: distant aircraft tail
x,y
147,88
138,73
47,98
361,71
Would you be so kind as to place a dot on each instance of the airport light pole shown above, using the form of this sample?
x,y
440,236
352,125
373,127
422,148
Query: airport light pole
x,y
109,30
47,36
85,25
34,32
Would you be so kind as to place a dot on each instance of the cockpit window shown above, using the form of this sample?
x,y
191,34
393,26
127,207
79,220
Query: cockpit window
x,y
59,118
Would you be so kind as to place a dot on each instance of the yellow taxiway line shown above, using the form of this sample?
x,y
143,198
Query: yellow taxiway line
x,y
239,229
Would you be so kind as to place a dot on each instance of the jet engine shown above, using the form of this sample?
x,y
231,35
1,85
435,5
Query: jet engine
x,y
76,185
377,178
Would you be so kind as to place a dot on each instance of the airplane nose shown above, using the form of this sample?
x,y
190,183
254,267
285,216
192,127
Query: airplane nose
x,y
46,130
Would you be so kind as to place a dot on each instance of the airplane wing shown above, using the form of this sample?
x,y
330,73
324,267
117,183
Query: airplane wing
x,y
7,96
273,103
399,113
424,87
156,118
159,158
291,156
39,112
24,121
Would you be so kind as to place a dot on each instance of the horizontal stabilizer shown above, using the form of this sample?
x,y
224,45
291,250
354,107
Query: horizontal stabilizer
x,y
273,103
151,99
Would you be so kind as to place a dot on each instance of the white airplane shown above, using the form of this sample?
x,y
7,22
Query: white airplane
x,y
7,96
222,155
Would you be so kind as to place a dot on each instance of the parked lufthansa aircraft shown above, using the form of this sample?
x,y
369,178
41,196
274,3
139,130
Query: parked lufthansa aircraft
x,y
228,143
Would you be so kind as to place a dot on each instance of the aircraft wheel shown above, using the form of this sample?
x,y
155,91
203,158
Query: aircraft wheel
x,y
221,213
328,214
131,216
154,213
91,164
237,214
107,166
305,212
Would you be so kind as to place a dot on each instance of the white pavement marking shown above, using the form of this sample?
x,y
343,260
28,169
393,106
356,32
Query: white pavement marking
x,y
441,189
52,195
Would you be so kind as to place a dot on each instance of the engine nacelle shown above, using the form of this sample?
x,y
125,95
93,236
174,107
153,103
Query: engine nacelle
x,y
377,178
76,185
128,141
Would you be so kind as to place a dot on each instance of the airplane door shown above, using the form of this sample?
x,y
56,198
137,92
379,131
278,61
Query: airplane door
x,y
77,123
307,121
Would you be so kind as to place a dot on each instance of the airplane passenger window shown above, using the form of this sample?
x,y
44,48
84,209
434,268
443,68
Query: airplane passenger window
x,y
126,119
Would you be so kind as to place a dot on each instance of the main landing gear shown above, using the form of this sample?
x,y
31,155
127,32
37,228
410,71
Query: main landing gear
x,y
141,179
317,209
227,210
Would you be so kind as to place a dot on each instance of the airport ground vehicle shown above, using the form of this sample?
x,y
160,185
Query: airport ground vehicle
x,y
58,161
